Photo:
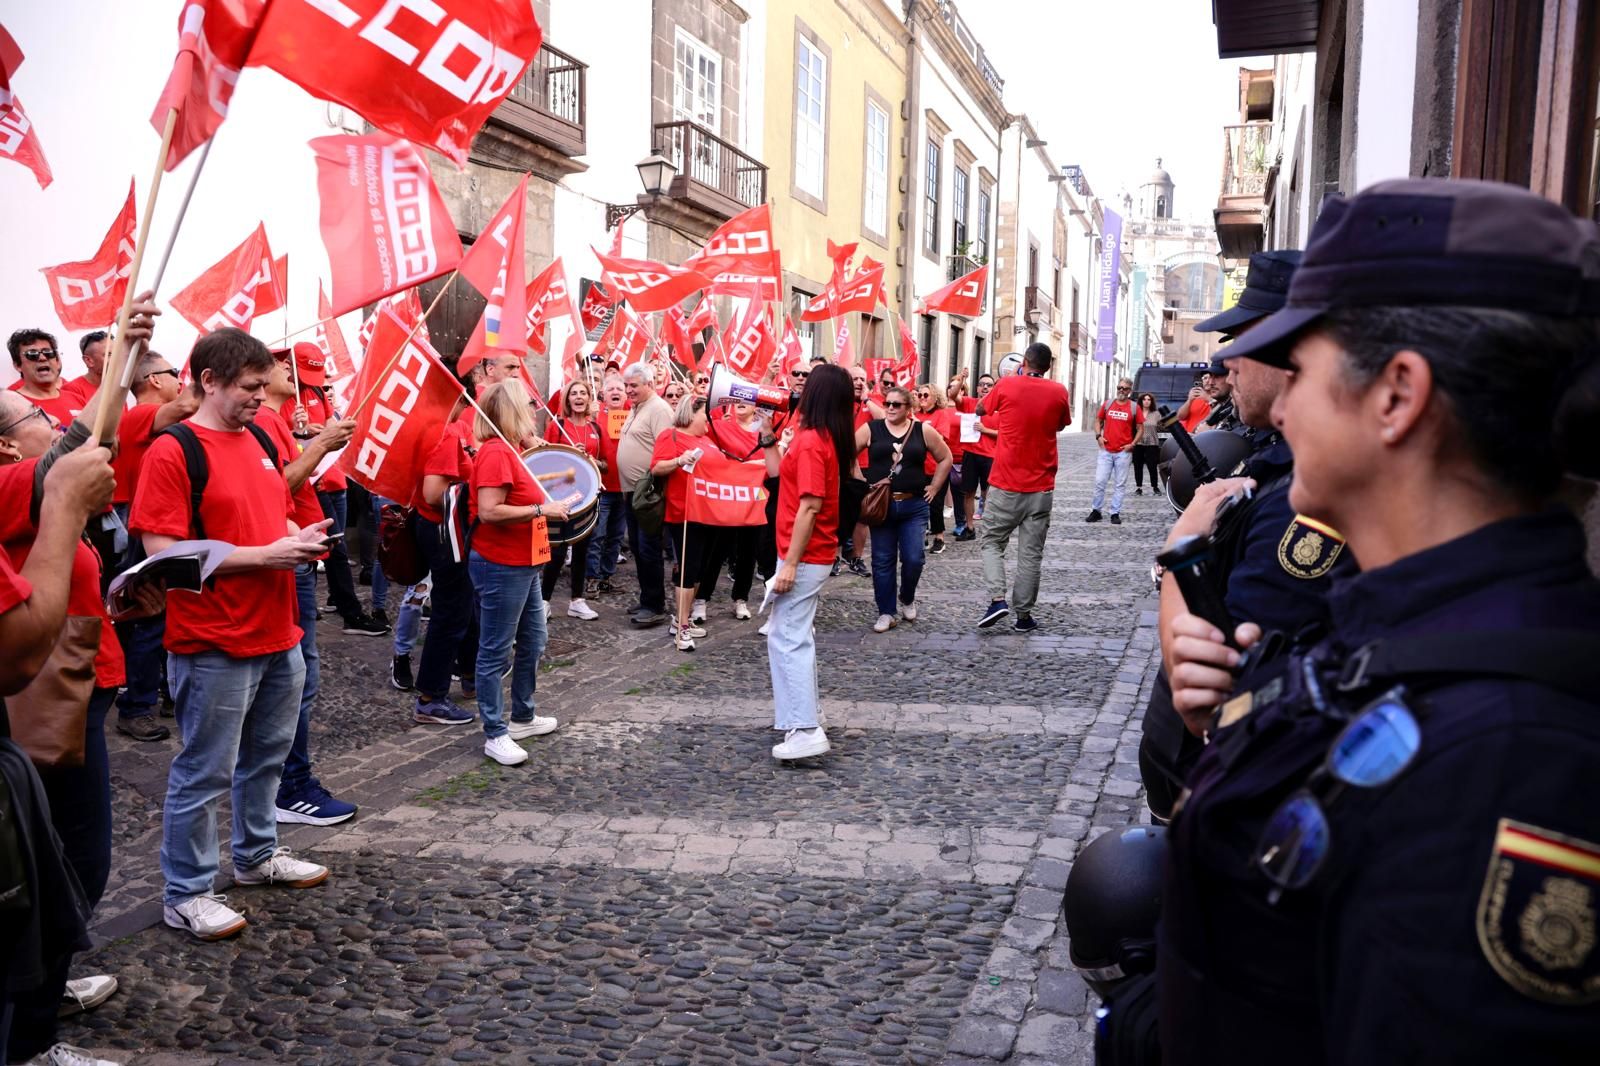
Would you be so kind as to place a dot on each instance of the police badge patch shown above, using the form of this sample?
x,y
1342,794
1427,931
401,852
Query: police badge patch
x,y
1537,914
1309,548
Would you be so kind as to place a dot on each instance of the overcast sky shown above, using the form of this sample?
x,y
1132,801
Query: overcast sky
x,y
1111,86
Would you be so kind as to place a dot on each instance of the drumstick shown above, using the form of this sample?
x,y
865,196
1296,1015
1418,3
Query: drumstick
x,y
557,475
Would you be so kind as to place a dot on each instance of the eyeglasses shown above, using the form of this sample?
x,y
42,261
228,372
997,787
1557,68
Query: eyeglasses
x,y
1124,388
1370,752
39,355
894,403
801,374
14,423
923,395
159,373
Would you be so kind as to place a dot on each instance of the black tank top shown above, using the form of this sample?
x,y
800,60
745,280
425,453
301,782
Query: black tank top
x,y
913,475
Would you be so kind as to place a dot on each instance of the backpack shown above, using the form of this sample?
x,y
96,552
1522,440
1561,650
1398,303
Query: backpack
x,y
456,530
398,552
199,468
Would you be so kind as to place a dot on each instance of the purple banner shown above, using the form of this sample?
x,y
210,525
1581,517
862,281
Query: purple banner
x,y
1105,337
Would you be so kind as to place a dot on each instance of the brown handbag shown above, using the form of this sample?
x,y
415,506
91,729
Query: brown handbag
x,y
875,504
50,718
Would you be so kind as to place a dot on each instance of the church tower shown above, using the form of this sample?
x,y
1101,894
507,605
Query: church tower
x,y
1155,195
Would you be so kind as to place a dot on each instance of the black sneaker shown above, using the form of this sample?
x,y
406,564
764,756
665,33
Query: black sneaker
x,y
1138,491
1024,624
144,727
365,577
997,610
937,548
400,673
966,534
1116,519
365,625
859,568
838,564
381,617
1094,515
606,585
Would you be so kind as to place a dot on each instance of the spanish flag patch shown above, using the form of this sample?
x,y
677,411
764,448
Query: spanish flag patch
x,y
1309,548
1537,916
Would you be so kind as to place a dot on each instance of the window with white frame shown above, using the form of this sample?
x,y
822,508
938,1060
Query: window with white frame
x,y
696,83
810,118
875,208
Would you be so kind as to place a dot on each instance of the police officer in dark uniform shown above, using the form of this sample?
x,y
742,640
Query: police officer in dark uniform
x,y
1272,566
1389,851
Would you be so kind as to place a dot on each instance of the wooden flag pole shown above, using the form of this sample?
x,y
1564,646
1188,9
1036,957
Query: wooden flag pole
x,y
415,326
109,410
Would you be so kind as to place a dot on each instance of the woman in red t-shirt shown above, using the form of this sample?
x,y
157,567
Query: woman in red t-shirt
x,y
509,547
821,453
676,452
576,427
947,422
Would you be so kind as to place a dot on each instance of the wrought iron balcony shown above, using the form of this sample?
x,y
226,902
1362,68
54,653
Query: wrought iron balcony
x,y
713,175
1241,207
548,103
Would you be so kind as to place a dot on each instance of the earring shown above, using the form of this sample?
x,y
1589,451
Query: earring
x,y
1388,433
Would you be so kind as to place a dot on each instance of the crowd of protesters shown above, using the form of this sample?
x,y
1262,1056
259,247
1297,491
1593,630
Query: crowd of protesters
x,y
237,448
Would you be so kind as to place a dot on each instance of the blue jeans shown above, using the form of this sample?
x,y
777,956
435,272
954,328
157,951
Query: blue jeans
x,y
1113,467
380,580
452,613
900,534
792,649
647,563
341,585
606,541
237,719
511,611
141,648
297,767
408,623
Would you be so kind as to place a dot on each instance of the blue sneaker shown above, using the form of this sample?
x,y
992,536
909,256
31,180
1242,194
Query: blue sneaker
x,y
997,610
441,712
313,805
1025,624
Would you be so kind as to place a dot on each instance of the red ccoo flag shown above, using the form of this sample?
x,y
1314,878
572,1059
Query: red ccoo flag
x,y
494,265
330,338
749,346
675,335
384,223
430,71
20,141
790,350
412,394
905,370
861,292
407,307
10,60
844,351
648,286
741,254
963,296
627,336
214,38
89,293
234,290
725,492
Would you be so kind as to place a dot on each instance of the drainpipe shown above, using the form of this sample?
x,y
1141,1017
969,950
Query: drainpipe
x,y
908,246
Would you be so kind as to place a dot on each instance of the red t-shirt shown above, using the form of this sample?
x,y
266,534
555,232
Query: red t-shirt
x,y
1199,408
318,413
946,421
670,445
608,431
465,420
246,503
134,433
1121,416
14,588
63,407
1028,412
451,458
77,392
512,543
734,439
307,511
83,589
863,416
810,468
984,445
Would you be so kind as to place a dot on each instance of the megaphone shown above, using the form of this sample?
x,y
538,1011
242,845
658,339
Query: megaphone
x,y
728,387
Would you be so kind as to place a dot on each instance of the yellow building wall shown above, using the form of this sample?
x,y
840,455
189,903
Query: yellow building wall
x,y
866,47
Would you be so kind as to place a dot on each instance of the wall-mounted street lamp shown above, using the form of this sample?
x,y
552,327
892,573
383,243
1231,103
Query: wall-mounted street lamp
x,y
656,172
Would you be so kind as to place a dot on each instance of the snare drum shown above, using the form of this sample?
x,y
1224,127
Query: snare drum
x,y
567,476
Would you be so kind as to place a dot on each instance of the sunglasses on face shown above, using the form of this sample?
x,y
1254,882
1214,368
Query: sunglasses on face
x,y
40,355
894,403
798,375
159,373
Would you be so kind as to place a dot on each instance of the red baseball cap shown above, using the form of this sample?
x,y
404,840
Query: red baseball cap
x,y
309,360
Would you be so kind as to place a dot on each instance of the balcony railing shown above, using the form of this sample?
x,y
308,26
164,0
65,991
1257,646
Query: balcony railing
x,y
548,103
1244,165
1041,308
712,174
1076,335
960,266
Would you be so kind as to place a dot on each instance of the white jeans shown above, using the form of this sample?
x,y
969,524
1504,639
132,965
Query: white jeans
x,y
792,649
1108,465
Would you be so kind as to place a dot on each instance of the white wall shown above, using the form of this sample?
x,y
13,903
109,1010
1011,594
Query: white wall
x,y
90,80
1385,90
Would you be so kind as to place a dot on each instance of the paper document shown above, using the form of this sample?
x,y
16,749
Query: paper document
x,y
186,565
969,429
769,596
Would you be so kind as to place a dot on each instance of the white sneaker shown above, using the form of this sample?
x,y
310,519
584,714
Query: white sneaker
x,y
87,993
504,750
802,744
741,610
884,623
546,610
908,611
207,916
282,868
537,726
684,641
691,630
697,612
581,609
67,1055
766,628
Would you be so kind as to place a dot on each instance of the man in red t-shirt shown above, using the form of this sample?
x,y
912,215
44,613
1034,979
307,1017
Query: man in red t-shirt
x,y
1116,427
1198,405
34,356
1027,410
237,672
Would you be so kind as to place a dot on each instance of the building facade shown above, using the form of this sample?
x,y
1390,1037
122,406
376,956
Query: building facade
x,y
1029,272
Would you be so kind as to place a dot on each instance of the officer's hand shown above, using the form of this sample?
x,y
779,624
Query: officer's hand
x,y
1201,514
1200,667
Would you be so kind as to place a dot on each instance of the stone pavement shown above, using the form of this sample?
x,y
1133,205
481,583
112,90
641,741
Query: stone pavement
x,y
651,886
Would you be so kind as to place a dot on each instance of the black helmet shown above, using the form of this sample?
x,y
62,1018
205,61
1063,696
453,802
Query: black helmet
x,y
1222,449
1111,905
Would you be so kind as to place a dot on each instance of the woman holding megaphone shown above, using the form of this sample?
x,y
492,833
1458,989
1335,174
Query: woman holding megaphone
x,y
810,472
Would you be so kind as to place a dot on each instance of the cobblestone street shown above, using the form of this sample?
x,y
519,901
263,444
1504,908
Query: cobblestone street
x,y
651,886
